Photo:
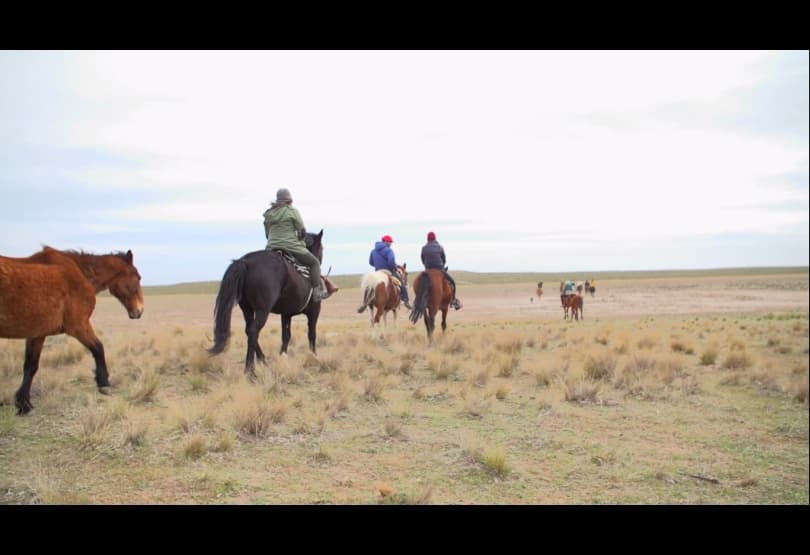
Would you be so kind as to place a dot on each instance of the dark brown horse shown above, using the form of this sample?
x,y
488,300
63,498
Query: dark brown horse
x,y
54,292
574,304
381,293
264,282
432,293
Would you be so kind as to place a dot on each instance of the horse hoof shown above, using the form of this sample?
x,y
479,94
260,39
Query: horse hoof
x,y
23,408
105,390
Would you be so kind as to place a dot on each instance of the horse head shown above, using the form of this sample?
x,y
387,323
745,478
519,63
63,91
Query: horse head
x,y
404,273
314,243
126,284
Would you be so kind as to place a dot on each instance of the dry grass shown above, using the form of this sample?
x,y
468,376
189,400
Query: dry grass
x,y
592,413
737,361
709,356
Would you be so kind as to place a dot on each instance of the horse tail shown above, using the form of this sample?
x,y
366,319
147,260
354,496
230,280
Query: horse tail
x,y
368,294
422,288
230,292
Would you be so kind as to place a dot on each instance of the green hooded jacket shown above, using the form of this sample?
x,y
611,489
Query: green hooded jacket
x,y
282,225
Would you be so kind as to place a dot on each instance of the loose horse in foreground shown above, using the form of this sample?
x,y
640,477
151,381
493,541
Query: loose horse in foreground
x,y
381,292
574,303
432,293
262,282
54,292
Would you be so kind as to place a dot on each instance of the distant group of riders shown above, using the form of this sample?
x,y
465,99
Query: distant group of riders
x,y
284,229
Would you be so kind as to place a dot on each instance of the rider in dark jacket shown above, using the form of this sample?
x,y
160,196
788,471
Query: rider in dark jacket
x,y
382,258
433,257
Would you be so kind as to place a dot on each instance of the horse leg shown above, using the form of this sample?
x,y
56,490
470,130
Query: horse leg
x,y
426,317
88,338
312,327
252,330
22,399
444,319
431,316
286,332
247,312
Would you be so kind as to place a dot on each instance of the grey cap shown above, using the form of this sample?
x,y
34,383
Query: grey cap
x,y
283,195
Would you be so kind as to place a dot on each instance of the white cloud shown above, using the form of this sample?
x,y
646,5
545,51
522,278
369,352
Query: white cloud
x,y
578,142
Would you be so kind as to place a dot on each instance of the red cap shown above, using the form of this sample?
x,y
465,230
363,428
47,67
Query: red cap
x,y
431,236
387,239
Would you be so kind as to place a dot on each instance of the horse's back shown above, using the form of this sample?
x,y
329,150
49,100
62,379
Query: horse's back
x,y
272,283
35,298
441,289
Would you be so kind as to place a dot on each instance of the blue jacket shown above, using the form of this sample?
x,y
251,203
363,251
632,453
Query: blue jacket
x,y
433,255
382,257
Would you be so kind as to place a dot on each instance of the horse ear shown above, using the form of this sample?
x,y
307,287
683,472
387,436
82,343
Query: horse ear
x,y
404,265
320,234
129,256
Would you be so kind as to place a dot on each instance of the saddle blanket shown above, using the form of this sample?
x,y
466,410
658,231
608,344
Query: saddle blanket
x,y
300,268
394,278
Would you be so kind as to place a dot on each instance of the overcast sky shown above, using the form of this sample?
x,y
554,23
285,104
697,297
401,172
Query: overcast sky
x,y
517,160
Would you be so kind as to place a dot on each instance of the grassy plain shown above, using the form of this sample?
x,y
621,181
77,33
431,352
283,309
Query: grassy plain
x,y
676,388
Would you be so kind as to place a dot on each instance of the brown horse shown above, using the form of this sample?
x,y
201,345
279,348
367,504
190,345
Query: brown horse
x,y
574,303
54,292
382,294
432,293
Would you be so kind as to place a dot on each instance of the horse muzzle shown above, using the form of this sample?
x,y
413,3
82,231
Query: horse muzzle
x,y
135,314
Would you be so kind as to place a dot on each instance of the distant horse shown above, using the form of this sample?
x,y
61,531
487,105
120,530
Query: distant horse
x,y
539,291
262,282
54,292
432,293
382,294
574,304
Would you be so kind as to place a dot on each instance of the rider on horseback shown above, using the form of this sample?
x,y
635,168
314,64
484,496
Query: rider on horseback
x,y
433,257
382,257
566,289
285,230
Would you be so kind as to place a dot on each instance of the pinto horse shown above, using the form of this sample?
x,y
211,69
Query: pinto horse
x,y
382,294
54,292
262,282
432,293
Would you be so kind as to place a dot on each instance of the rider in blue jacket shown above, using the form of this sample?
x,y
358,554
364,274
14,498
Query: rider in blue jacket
x,y
382,258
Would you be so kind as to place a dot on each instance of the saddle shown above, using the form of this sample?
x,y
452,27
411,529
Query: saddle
x,y
300,268
304,271
393,277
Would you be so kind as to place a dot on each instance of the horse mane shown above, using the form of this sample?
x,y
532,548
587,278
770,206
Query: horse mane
x,y
84,254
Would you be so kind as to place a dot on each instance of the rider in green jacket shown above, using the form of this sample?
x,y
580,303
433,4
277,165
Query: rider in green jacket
x,y
285,230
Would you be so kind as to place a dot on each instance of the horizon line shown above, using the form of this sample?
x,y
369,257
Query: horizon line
x,y
542,273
